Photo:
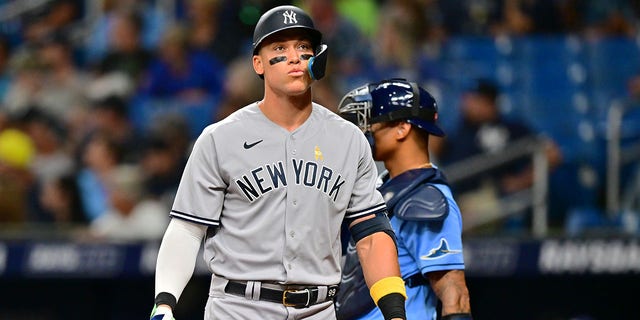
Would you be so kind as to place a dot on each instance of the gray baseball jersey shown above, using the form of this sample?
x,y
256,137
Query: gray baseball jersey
x,y
276,198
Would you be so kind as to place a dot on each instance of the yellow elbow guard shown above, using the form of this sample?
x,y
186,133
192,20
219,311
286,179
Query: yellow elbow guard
x,y
386,286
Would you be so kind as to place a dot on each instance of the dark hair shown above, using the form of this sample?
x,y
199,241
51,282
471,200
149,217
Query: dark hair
x,y
56,38
35,114
486,88
114,103
69,186
136,20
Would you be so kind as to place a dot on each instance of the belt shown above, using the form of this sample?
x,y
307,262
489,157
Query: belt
x,y
416,280
297,298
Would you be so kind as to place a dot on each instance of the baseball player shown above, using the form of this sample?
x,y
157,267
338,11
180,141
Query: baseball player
x,y
268,189
398,116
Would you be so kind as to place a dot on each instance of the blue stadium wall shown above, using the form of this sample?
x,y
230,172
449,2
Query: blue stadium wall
x,y
591,278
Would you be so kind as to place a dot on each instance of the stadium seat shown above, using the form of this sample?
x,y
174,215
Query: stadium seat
x,y
586,219
611,62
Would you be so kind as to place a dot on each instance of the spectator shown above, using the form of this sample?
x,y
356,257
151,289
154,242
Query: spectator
x,y
51,157
110,140
125,54
400,47
46,76
609,18
58,16
511,17
469,17
482,130
350,49
16,154
162,165
111,116
213,29
61,202
178,72
99,157
529,17
63,88
241,87
173,129
25,89
97,43
5,78
131,215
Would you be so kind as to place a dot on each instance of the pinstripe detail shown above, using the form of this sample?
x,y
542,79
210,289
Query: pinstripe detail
x,y
192,218
382,207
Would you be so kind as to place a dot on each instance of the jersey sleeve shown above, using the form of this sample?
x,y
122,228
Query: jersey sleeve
x,y
365,199
200,195
435,245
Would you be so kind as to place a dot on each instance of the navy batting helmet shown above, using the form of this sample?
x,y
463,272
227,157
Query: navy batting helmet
x,y
282,18
391,100
288,17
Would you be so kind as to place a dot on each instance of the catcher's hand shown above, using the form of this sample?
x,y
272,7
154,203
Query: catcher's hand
x,y
161,313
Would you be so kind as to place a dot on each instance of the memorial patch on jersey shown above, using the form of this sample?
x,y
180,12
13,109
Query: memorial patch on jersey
x,y
308,173
439,252
318,154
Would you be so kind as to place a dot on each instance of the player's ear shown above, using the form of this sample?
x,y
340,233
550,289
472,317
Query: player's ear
x,y
402,129
258,66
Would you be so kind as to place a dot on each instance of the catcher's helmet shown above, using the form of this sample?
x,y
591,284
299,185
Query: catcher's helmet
x,y
288,17
391,100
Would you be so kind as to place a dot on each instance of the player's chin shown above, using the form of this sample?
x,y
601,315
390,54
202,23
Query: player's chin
x,y
299,84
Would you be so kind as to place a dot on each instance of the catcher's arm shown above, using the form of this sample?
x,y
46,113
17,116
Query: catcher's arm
x,y
451,289
176,262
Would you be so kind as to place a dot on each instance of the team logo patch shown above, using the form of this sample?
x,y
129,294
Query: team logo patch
x,y
318,153
440,251
289,17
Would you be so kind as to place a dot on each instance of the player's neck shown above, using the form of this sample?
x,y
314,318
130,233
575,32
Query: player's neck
x,y
405,160
287,112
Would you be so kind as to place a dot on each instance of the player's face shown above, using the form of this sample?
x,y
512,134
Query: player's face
x,y
385,139
283,59
478,109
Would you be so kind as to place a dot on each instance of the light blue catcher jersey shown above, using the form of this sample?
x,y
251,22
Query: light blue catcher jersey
x,y
423,246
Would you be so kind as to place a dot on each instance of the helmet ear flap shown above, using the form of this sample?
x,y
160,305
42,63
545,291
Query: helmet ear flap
x,y
318,63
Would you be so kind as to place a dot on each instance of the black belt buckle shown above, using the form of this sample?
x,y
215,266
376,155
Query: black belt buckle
x,y
295,305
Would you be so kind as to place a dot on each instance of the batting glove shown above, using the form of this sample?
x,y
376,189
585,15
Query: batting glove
x,y
161,313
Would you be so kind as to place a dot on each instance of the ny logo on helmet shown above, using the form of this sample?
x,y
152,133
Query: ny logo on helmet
x,y
289,17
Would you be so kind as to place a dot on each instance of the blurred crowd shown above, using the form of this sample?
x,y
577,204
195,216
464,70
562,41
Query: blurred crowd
x,y
101,100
